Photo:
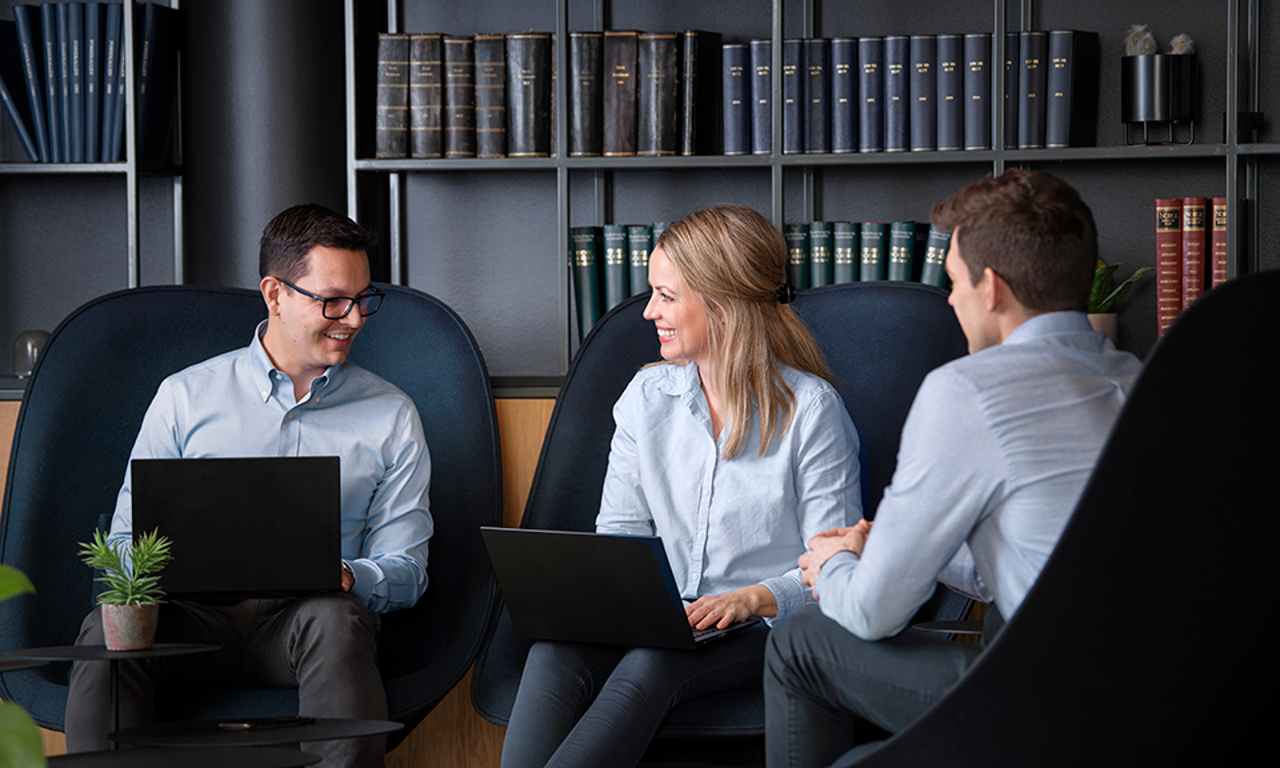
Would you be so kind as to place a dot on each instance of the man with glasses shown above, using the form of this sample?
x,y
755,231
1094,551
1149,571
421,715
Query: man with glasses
x,y
290,392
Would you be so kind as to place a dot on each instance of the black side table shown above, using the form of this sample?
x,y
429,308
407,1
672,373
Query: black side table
x,y
100,653
209,733
205,758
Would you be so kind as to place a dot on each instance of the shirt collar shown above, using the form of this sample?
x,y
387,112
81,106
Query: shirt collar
x,y
1049,324
265,369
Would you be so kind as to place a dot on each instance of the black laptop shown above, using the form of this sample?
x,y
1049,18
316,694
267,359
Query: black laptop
x,y
243,527
593,588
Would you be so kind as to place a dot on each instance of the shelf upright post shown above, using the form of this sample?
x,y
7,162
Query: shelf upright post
x,y
561,117
349,49
131,146
997,88
812,201
179,261
395,203
775,104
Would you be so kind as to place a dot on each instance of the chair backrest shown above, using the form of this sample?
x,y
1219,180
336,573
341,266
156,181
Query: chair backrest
x,y
880,340
1131,647
81,413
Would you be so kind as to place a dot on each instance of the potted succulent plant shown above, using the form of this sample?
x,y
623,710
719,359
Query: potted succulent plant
x,y
131,602
20,742
1104,297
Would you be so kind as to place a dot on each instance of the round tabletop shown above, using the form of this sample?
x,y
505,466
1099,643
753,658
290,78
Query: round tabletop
x,y
13,665
100,652
209,733
188,758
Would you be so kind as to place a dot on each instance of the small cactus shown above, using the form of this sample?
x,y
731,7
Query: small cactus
x,y
1139,41
1182,45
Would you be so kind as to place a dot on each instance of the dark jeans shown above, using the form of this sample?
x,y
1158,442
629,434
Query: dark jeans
x,y
599,705
323,645
820,682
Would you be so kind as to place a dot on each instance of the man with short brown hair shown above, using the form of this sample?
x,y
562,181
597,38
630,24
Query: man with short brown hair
x,y
994,454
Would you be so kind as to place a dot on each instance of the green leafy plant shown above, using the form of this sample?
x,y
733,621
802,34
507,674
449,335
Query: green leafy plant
x,y
1102,297
20,742
129,583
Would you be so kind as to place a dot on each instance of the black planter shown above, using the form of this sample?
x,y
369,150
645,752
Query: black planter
x,y
1159,88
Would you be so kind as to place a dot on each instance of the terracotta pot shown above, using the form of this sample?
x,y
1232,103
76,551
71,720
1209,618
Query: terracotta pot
x,y
130,627
1106,323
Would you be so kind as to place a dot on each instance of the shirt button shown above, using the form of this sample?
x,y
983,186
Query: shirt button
x,y
289,417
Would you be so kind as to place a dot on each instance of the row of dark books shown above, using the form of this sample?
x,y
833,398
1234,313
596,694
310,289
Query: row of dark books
x,y
490,96
916,93
62,80
822,253
1191,253
819,253
464,96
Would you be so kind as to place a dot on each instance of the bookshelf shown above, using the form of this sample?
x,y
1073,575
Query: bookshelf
x,y
520,253
74,231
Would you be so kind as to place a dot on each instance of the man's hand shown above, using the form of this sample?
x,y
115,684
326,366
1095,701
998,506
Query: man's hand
x,y
348,578
730,607
824,545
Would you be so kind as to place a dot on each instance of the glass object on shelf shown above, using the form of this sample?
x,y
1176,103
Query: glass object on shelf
x,y
26,349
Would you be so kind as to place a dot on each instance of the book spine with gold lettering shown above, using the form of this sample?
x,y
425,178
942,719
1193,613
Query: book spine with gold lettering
x,y
529,94
950,98
491,99
897,93
1012,70
459,97
1033,56
426,96
793,111
935,259
761,97
585,62
844,254
1071,111
620,92
797,239
640,244
392,126
902,250
922,78
1194,242
617,269
977,92
1218,238
658,92
817,96
872,261
821,248
1168,262
738,109
870,94
584,261
844,95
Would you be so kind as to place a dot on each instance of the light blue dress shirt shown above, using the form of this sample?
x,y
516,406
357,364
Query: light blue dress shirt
x,y
994,455
238,404
729,524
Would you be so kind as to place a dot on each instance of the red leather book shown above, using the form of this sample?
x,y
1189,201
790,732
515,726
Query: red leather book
x,y
1218,238
1194,248
1168,261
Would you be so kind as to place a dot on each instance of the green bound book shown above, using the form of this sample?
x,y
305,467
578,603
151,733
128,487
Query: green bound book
x,y
844,254
640,243
797,238
658,228
821,253
584,258
617,271
902,250
935,258
875,249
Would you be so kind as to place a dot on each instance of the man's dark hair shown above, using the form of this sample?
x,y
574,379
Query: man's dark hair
x,y
1033,230
291,235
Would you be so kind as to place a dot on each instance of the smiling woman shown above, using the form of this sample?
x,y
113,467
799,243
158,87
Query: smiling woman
x,y
734,450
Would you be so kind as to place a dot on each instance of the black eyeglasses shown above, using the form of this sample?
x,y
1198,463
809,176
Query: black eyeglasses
x,y
338,307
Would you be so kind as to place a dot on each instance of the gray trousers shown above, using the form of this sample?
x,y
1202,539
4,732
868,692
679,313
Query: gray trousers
x,y
323,645
597,706
823,684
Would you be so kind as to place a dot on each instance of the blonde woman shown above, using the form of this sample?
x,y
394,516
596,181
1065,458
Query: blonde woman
x,y
735,450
